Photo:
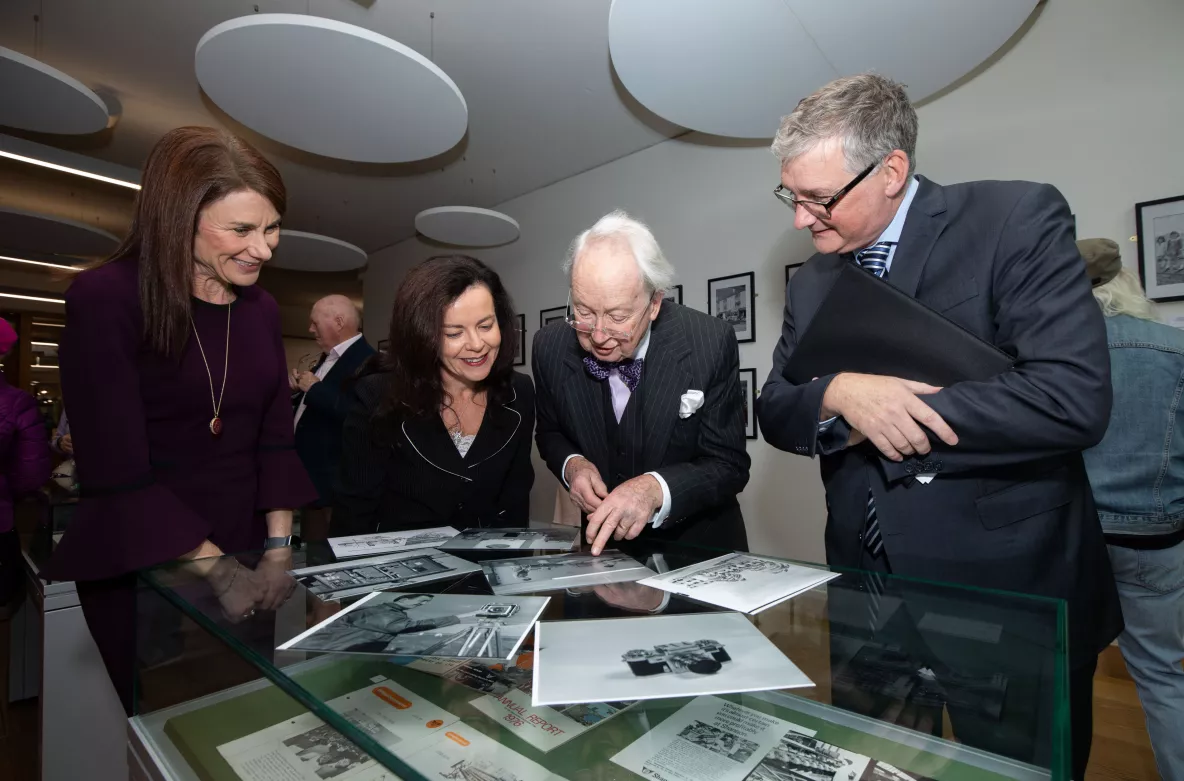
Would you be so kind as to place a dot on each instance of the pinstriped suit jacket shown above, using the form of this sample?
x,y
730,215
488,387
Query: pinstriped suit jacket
x,y
702,458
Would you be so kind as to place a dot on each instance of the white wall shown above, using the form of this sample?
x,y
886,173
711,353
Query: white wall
x,y
1089,99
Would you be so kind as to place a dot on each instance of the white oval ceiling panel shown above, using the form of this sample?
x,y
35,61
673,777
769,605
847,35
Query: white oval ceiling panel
x,y
467,226
300,251
50,235
45,100
331,88
734,69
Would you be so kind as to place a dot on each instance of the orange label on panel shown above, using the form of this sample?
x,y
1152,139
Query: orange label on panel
x,y
435,723
390,698
457,738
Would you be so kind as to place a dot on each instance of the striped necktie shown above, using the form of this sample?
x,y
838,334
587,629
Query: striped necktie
x,y
874,259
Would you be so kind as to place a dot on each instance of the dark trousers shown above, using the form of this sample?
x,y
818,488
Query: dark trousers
x,y
877,645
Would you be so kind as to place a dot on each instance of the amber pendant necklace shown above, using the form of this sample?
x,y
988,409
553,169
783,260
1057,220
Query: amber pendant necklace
x,y
216,421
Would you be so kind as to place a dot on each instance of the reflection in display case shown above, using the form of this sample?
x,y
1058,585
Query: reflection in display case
x,y
912,680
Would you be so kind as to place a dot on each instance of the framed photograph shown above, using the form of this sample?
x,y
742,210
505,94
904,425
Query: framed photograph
x,y
731,299
748,392
791,269
552,314
1160,229
674,295
520,342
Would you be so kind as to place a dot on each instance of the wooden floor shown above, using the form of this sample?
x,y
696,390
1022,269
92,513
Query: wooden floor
x,y
1120,751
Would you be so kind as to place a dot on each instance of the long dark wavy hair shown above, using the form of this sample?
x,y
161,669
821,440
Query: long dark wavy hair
x,y
417,323
189,168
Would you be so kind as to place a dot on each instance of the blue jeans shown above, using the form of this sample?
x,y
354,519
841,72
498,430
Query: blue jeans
x,y
1151,590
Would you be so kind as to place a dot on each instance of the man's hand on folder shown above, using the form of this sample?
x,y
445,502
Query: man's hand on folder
x,y
887,411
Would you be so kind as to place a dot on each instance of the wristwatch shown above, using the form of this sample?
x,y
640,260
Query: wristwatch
x,y
277,542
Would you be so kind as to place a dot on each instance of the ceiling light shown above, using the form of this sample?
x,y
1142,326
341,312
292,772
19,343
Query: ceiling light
x,y
44,365
50,325
62,266
68,170
33,298
44,344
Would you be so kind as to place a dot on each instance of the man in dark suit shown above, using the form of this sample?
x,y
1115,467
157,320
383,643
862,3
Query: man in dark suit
x,y
320,400
638,401
980,483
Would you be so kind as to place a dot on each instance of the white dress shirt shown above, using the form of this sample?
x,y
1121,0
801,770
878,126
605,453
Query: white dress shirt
x,y
331,358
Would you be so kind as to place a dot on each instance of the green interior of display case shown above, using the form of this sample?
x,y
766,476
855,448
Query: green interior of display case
x,y
197,734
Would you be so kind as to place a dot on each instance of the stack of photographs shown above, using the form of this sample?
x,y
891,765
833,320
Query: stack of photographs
x,y
562,571
397,570
396,624
390,542
561,538
740,581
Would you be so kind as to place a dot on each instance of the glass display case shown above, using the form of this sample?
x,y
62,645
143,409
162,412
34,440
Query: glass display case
x,y
909,680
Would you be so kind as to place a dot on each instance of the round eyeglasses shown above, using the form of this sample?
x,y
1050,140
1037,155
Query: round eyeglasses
x,y
590,327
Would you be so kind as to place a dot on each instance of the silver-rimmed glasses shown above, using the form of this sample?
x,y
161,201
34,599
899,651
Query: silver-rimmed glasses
x,y
590,327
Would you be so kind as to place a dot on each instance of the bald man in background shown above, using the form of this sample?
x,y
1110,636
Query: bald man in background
x,y
319,401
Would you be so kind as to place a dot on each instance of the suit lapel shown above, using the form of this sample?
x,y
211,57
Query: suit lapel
x,y
922,226
585,395
500,424
665,381
431,441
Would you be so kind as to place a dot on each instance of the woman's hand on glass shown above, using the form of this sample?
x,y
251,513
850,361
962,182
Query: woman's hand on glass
x,y
272,573
238,589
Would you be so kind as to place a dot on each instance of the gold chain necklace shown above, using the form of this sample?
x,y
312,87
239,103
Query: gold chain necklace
x,y
216,421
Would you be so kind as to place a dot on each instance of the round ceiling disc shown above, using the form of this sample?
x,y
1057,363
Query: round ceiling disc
x,y
45,100
331,88
49,235
300,251
467,226
735,69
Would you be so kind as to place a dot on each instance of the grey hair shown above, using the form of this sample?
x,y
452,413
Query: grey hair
x,y
1123,295
656,272
870,114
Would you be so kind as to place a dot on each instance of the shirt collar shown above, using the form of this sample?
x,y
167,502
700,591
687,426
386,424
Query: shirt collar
x,y
896,227
340,349
644,347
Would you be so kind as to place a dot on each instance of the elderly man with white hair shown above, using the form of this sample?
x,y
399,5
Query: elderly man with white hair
x,y
638,400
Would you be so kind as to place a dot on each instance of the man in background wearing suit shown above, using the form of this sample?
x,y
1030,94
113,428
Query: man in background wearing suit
x,y
319,402
980,483
638,401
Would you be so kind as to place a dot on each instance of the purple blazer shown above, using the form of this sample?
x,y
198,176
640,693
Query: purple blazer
x,y
25,460
155,482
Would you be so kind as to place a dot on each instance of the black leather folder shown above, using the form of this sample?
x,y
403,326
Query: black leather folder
x,y
866,325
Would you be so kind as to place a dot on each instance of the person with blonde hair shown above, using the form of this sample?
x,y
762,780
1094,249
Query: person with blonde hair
x,y
1137,474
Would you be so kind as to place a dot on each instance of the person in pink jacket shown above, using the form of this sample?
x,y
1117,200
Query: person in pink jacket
x,y
25,465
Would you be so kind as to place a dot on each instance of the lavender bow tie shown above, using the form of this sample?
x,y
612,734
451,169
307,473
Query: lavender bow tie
x,y
629,371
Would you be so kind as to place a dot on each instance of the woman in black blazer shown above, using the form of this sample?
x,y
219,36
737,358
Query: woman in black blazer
x,y
440,430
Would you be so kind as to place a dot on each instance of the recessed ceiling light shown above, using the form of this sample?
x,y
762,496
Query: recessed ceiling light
x,y
67,169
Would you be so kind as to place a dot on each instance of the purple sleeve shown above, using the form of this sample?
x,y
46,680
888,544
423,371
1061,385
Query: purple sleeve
x,y
125,521
283,482
32,462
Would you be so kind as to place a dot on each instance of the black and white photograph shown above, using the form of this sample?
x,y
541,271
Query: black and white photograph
x,y
396,570
445,625
520,341
882,771
748,392
552,314
656,656
731,299
791,269
741,581
719,741
803,758
327,751
673,295
1160,232
567,570
378,543
561,538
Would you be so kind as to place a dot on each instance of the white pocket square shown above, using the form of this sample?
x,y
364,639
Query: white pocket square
x,y
690,403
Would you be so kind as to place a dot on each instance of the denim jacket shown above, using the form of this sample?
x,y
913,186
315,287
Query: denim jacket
x,y
1137,470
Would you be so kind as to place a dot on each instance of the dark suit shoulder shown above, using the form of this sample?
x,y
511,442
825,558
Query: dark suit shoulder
x,y
554,338
523,389
1002,195
372,388
698,322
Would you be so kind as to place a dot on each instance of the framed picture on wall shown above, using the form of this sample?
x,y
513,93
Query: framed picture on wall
x,y
1160,232
730,299
748,393
551,315
520,342
674,294
791,269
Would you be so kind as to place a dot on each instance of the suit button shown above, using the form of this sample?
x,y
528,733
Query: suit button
x,y
909,469
460,505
